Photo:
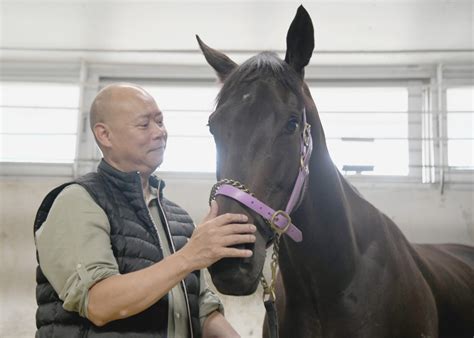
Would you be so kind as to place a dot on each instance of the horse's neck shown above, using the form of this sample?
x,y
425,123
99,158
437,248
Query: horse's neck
x,y
328,252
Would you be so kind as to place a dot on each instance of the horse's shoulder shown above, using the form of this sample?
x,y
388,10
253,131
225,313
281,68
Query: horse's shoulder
x,y
447,268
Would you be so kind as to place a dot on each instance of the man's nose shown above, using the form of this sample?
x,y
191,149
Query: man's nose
x,y
159,131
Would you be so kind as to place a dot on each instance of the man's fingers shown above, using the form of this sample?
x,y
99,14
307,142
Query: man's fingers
x,y
237,228
236,253
222,219
230,218
238,239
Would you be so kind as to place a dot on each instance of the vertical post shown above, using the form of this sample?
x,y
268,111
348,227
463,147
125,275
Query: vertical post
x,y
81,121
442,132
415,133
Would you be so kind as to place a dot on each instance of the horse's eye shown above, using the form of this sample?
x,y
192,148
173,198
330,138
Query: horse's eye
x,y
292,124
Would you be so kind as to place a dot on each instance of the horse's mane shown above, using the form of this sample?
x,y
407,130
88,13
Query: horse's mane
x,y
262,66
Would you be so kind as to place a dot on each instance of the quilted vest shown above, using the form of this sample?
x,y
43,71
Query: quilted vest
x,y
135,245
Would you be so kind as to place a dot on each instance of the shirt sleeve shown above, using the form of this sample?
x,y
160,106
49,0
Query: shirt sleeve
x,y
74,247
208,300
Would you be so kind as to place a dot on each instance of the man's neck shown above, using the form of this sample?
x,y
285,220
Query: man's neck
x,y
145,185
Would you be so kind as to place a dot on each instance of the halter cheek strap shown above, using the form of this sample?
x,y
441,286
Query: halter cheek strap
x,y
279,220
301,180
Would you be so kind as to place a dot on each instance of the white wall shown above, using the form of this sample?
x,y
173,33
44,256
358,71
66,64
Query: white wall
x,y
96,29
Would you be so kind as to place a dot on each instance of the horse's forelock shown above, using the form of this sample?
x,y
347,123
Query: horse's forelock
x,y
262,66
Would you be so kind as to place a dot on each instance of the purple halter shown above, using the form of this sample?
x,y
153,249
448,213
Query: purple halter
x,y
279,220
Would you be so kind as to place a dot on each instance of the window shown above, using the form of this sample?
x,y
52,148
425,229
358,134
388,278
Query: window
x,y
460,127
366,128
38,122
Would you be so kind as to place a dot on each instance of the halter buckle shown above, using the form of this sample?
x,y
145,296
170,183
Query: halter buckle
x,y
275,227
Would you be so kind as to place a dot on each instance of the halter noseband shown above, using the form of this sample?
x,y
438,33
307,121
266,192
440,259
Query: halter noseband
x,y
279,220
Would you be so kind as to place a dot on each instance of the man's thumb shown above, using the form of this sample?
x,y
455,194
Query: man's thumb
x,y
212,211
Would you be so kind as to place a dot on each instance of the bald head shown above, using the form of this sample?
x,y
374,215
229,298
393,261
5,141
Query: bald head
x,y
114,100
128,127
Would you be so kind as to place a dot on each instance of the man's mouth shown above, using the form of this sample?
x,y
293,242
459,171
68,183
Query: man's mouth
x,y
157,148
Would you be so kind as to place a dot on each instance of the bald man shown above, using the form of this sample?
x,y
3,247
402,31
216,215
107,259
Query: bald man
x,y
118,259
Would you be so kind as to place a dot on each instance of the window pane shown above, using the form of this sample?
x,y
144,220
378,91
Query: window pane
x,y
460,104
38,148
38,122
460,99
347,153
184,97
461,154
39,94
360,99
190,154
366,126
189,123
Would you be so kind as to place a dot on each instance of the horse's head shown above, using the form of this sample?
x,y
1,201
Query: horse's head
x,y
257,126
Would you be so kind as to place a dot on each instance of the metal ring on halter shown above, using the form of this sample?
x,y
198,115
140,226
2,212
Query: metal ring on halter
x,y
275,227
306,134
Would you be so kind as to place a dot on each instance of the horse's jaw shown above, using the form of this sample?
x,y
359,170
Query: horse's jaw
x,y
234,282
240,276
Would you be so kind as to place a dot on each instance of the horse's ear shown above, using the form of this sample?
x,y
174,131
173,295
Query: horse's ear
x,y
221,63
300,41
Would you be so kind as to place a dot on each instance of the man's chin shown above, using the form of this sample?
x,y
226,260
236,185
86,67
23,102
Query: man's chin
x,y
155,165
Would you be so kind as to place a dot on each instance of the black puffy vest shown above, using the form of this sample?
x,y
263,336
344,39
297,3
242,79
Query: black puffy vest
x,y
135,245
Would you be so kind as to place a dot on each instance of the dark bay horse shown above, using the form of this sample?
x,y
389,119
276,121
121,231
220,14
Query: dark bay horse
x,y
354,274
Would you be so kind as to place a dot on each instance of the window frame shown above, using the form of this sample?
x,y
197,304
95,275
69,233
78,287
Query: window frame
x,y
445,76
43,72
452,175
415,100
422,81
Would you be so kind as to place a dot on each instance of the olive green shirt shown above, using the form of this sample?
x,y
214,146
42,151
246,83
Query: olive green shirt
x,y
75,253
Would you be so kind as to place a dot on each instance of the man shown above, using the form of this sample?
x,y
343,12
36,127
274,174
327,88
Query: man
x,y
115,257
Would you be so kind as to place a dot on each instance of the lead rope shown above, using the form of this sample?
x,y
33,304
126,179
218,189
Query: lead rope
x,y
269,296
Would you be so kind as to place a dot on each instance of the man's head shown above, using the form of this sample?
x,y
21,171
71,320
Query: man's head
x,y
128,127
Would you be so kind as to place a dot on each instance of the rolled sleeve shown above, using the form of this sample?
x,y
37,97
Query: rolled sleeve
x,y
75,293
74,247
209,301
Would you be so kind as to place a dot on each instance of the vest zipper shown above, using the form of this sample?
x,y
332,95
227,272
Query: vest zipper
x,y
156,229
173,249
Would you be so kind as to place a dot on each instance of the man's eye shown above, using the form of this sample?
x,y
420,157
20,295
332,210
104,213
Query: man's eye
x,y
144,125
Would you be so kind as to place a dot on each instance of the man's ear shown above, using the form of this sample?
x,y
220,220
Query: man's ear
x,y
102,134
221,63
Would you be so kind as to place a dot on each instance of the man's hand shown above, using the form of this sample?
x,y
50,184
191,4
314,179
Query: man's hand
x,y
212,239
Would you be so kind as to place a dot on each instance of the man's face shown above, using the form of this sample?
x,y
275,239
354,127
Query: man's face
x,y
137,134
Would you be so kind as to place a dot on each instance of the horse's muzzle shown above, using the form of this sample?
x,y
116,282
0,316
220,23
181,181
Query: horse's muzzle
x,y
233,281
